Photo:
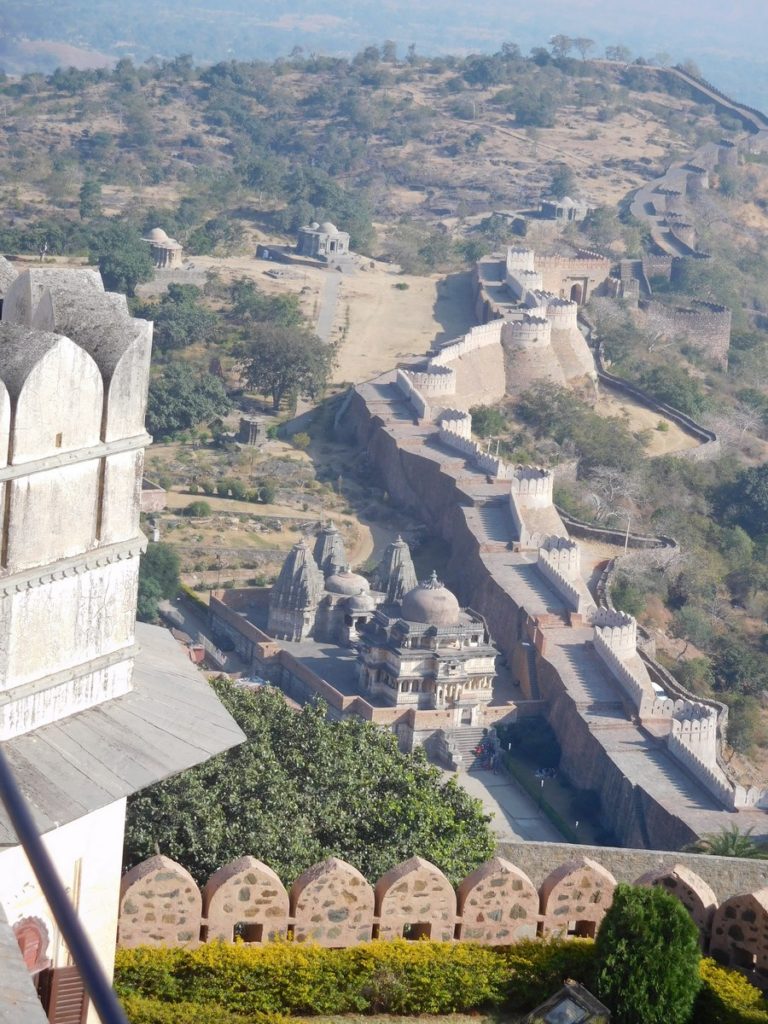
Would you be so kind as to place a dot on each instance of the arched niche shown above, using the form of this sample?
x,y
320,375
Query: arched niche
x,y
415,900
58,402
160,905
739,935
33,938
575,897
332,905
498,904
694,893
245,899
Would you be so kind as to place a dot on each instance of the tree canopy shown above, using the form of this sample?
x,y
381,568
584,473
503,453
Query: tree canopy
x,y
282,361
123,258
179,318
647,958
182,398
302,789
158,579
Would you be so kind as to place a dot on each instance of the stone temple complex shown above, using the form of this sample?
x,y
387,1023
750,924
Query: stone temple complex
x,y
322,241
393,644
91,705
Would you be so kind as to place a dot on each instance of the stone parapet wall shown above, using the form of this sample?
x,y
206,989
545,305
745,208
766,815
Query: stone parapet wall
x,y
706,771
526,890
478,337
527,332
413,395
705,324
560,581
436,380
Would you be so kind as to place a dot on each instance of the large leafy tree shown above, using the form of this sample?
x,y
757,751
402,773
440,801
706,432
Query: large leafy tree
x,y
303,788
123,258
158,578
181,398
179,318
647,958
282,361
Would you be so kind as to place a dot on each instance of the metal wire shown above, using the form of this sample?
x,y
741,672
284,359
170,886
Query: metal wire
x,y
102,997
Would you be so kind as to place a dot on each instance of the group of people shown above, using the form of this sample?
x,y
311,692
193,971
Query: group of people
x,y
488,753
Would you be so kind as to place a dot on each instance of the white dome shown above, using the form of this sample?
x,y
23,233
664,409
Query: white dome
x,y
329,229
431,603
348,583
158,235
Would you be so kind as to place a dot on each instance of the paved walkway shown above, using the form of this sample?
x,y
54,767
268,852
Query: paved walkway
x,y
515,815
328,301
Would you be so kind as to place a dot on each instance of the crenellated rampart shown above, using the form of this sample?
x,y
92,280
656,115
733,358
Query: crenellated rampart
x,y
541,890
478,337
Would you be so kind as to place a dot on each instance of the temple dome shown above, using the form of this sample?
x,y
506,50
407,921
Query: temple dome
x,y
362,602
158,235
328,228
432,603
345,582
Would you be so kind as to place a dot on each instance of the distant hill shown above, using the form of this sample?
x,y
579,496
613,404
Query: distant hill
x,y
722,41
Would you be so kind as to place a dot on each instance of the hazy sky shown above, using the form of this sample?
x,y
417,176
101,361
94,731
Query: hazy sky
x,y
727,38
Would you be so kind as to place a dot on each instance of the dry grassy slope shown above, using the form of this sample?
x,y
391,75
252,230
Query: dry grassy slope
x,y
508,166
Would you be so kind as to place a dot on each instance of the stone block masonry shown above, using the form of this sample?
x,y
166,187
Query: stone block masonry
x,y
526,890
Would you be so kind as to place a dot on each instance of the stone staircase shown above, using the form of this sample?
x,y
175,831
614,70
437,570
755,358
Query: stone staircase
x,y
455,748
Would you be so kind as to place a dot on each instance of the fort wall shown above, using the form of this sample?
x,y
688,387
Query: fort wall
x,y
705,324
526,890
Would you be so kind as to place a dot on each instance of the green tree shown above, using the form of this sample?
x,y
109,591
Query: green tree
x,y
562,182
729,842
745,500
90,199
158,579
282,361
182,398
647,958
487,421
123,259
179,318
302,788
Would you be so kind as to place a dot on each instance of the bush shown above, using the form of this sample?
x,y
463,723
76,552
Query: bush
x,y
647,958
409,978
302,441
726,997
153,1011
197,509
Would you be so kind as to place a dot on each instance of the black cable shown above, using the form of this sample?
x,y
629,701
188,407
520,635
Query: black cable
x,y
102,997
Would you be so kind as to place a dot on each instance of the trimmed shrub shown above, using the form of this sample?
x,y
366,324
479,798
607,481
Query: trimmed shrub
x,y
647,958
726,997
409,978
153,1011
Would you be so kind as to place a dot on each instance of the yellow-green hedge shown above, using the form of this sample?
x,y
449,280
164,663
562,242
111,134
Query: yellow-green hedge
x,y
727,997
238,984
400,977
153,1011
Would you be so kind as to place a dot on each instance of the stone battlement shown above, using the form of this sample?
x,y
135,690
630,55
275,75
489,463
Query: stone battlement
x,y
529,330
332,904
476,338
532,486
436,380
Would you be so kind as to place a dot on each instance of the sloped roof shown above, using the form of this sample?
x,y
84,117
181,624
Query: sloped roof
x,y
170,721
